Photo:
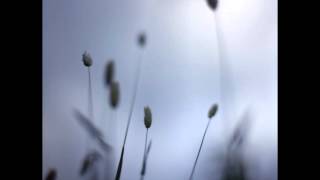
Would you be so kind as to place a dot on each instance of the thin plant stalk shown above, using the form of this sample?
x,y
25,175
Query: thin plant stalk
x,y
145,143
225,73
136,83
107,173
90,96
144,154
195,163
90,100
133,98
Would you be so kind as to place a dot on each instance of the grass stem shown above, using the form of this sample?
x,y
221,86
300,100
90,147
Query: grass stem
x,y
136,83
195,163
144,156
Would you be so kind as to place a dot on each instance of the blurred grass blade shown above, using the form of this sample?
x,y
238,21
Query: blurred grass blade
x,y
120,165
144,165
149,147
87,124
241,131
105,146
93,131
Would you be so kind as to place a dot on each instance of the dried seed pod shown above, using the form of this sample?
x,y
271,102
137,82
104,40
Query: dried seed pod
x,y
142,39
213,110
52,174
213,4
87,60
114,94
147,117
109,72
89,161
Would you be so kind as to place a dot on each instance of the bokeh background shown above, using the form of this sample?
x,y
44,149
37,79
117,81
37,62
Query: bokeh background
x,y
194,57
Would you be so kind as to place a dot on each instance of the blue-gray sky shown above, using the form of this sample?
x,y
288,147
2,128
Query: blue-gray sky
x,y
183,74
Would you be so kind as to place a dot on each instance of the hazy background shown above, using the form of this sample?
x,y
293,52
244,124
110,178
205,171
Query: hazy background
x,y
183,74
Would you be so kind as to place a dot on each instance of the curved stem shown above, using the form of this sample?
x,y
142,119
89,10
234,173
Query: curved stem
x,y
195,163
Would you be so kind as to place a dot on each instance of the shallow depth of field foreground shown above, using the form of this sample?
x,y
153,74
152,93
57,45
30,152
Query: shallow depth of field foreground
x,y
160,90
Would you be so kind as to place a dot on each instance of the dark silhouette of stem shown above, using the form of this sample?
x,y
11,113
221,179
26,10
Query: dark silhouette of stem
x,y
120,165
144,156
129,118
195,163
145,144
133,98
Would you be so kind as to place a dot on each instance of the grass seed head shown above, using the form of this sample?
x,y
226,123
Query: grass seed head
x,y
142,39
213,4
213,110
87,60
109,72
114,94
147,117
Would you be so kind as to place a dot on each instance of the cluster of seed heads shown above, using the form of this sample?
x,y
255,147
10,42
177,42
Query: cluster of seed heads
x,y
114,101
112,84
109,78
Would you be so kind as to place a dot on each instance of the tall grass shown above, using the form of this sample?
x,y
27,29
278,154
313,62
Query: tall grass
x,y
211,113
141,43
147,123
